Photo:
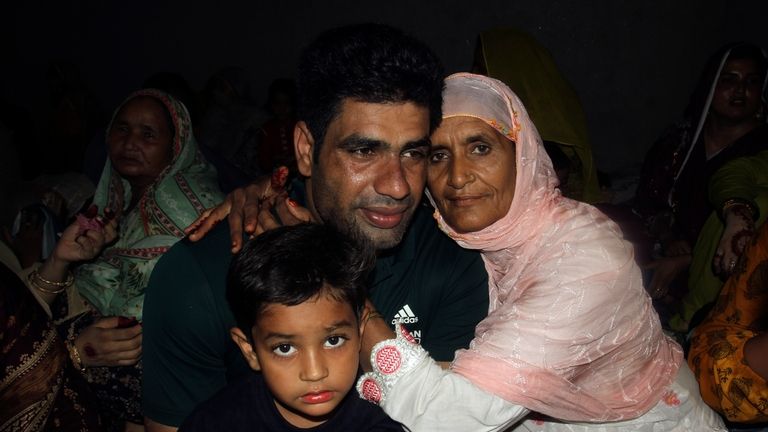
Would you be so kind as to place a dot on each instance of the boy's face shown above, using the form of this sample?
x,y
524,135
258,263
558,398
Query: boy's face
x,y
308,354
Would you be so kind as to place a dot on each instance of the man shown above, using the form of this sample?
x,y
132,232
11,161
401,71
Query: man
x,y
369,97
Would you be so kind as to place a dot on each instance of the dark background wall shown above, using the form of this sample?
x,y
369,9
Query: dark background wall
x,y
633,63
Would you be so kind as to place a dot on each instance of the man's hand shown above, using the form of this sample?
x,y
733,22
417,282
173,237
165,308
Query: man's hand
x,y
258,207
110,341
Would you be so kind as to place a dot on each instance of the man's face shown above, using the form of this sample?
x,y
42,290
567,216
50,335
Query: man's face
x,y
371,170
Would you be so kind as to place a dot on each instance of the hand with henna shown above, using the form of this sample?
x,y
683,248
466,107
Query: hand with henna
x,y
739,229
110,341
258,207
84,239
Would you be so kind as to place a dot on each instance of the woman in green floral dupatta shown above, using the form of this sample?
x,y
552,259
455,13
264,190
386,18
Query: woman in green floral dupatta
x,y
154,184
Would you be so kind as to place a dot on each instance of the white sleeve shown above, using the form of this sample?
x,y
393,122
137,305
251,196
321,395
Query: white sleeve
x,y
418,393
433,399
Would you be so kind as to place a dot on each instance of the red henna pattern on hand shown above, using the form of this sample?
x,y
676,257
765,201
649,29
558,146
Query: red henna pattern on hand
x,y
279,176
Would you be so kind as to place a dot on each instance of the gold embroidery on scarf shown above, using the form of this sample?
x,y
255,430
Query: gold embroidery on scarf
x,y
28,361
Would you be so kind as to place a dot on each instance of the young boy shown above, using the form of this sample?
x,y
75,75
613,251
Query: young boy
x,y
297,294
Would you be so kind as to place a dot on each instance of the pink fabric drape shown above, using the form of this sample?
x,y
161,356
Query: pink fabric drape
x,y
571,332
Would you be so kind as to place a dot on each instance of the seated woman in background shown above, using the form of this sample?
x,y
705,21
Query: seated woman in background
x,y
154,184
725,119
570,334
740,191
729,350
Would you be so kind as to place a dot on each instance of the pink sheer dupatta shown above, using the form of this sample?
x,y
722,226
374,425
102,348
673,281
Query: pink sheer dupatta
x,y
571,332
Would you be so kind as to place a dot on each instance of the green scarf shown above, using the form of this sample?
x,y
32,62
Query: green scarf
x,y
115,282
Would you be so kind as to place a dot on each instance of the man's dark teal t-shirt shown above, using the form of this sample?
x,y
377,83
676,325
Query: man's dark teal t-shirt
x,y
437,288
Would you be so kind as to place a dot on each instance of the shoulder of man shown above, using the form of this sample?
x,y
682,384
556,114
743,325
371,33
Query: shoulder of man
x,y
191,273
433,245
188,354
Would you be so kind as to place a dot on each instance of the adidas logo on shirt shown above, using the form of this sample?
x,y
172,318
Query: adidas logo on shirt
x,y
405,315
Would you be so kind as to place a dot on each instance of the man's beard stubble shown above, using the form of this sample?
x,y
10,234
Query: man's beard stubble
x,y
350,225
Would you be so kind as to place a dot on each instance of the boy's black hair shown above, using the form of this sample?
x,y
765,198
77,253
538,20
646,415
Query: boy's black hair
x,y
290,265
372,63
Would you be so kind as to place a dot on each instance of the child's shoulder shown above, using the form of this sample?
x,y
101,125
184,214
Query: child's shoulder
x,y
241,405
361,415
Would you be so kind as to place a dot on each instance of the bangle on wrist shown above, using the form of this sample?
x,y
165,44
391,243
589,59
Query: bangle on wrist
x,y
738,202
74,355
67,282
32,279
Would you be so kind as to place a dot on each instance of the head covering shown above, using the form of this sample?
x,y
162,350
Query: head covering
x,y
571,332
518,60
115,282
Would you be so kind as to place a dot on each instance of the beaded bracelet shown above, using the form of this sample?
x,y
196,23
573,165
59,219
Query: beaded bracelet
x,y
33,282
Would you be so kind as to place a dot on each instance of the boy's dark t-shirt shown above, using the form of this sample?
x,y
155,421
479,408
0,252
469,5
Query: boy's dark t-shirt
x,y
248,405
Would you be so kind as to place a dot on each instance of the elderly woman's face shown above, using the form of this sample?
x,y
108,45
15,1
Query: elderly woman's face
x,y
471,173
141,140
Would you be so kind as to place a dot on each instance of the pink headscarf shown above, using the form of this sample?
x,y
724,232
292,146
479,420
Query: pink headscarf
x,y
571,332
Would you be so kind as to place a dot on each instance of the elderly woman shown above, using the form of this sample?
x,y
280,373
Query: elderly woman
x,y
571,333
154,184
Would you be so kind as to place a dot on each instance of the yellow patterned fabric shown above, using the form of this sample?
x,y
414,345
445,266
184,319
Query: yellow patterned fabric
x,y
726,381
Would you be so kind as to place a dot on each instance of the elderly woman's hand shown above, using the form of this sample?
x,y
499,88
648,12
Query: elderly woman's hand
x,y
110,341
258,207
739,229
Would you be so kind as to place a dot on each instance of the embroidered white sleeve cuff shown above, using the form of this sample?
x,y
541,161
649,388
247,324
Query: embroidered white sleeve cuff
x,y
390,360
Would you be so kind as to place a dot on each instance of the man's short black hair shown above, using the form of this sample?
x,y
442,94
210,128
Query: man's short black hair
x,y
372,63
292,264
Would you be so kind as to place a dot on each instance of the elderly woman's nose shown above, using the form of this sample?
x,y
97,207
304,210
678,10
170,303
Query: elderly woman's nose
x,y
459,173
131,141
